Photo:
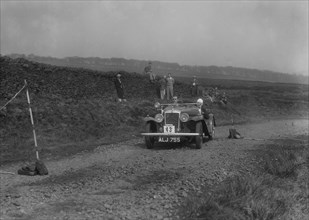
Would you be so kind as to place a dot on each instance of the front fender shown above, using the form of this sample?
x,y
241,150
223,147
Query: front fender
x,y
196,118
148,118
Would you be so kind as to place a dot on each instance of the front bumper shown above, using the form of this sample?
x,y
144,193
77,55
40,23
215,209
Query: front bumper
x,y
170,134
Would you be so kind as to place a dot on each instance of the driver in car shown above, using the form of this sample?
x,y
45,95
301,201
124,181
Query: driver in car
x,y
175,100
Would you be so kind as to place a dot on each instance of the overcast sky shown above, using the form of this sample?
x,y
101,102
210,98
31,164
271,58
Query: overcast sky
x,y
271,35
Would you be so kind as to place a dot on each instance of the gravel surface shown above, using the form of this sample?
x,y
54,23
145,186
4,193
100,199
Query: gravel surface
x,y
127,181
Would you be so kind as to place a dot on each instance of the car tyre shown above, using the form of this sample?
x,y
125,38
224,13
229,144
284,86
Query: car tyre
x,y
149,141
199,138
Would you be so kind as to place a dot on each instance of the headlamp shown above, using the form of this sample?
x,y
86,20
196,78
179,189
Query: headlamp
x,y
159,118
157,105
184,117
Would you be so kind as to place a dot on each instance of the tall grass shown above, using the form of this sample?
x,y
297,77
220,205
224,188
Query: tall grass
x,y
282,163
279,191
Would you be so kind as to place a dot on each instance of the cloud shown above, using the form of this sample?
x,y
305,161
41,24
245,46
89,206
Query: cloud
x,y
266,35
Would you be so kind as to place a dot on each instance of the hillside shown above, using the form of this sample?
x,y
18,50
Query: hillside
x,y
213,72
99,167
72,107
75,109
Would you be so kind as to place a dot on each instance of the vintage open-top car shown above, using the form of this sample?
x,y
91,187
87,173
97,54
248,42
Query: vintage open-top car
x,y
179,122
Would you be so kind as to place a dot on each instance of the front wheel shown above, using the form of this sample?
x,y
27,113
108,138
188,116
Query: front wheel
x,y
199,138
149,141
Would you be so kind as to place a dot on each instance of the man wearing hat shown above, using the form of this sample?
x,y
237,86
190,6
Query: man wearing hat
x,y
119,87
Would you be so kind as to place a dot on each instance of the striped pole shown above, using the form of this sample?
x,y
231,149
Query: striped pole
x,y
32,123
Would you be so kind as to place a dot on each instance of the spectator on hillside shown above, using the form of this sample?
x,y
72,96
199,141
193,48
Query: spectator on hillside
x,y
216,92
162,87
211,92
194,87
148,70
224,98
169,86
119,88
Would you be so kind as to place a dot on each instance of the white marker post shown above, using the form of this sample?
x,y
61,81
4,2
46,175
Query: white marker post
x,y
31,117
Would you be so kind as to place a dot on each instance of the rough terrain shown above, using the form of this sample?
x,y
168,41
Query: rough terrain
x,y
127,181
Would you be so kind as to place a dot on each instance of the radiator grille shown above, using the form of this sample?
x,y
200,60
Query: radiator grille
x,y
172,118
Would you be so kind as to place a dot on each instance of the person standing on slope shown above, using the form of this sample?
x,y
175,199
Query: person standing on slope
x,y
148,70
194,87
170,86
162,87
119,88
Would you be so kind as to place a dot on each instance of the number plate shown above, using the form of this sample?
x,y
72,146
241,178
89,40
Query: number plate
x,y
169,129
169,139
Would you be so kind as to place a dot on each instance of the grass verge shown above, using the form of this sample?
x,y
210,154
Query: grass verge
x,y
280,190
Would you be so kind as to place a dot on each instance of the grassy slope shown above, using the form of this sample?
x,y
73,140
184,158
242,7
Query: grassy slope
x,y
75,109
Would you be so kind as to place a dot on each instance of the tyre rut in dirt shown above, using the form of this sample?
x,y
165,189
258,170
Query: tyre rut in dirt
x,y
149,141
199,138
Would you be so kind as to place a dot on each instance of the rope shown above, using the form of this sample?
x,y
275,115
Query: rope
x,y
13,97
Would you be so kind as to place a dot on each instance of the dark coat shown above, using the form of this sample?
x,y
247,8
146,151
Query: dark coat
x,y
205,111
119,88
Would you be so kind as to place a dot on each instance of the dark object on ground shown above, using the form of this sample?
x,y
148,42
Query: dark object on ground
x,y
41,168
233,134
38,168
28,170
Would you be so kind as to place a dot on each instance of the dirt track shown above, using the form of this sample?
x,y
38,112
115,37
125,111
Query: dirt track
x,y
127,181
